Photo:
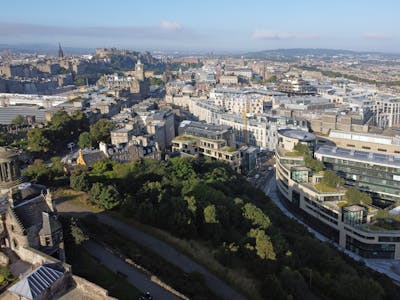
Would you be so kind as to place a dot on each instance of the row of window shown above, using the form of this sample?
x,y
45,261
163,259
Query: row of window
x,y
363,165
327,211
370,250
322,215
358,234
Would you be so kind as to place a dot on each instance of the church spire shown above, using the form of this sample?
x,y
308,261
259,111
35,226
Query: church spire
x,y
60,51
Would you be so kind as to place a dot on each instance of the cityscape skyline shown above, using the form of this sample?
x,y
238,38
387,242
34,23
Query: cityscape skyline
x,y
209,26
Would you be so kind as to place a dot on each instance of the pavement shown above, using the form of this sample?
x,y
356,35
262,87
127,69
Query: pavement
x,y
159,247
138,279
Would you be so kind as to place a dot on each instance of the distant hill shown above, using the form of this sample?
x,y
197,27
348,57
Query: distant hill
x,y
45,49
301,52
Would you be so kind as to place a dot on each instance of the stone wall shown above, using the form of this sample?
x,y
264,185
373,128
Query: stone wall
x,y
91,289
34,256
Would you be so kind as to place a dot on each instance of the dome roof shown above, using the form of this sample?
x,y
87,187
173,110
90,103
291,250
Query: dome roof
x,y
298,134
7,154
188,89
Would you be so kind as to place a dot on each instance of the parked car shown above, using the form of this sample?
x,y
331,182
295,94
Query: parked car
x,y
146,296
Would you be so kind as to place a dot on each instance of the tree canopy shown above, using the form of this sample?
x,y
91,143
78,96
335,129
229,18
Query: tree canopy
x,y
331,179
206,201
100,131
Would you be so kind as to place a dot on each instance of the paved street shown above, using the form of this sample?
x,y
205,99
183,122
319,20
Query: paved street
x,y
166,251
141,281
172,255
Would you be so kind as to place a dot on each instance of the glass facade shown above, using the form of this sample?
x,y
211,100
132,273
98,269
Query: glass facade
x,y
370,250
300,175
353,217
375,179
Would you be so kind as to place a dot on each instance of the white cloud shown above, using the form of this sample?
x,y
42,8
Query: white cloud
x,y
170,25
266,34
377,36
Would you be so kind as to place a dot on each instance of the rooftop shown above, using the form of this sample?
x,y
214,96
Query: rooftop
x,y
301,135
361,156
33,285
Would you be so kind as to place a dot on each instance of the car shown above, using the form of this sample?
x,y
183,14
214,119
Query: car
x,y
70,145
269,168
146,296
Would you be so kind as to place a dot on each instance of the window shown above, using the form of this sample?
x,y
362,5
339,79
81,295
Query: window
x,y
382,150
365,147
350,145
15,244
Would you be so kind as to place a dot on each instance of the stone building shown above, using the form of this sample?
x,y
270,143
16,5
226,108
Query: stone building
x,y
28,218
132,81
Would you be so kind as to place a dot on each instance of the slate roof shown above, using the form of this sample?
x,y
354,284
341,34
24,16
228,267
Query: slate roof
x,y
30,211
38,281
49,224
93,157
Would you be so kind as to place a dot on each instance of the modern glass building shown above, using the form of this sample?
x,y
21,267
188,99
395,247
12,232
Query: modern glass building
x,y
375,173
355,227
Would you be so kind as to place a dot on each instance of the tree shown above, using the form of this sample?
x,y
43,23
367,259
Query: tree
x,y
302,148
256,215
264,247
104,196
331,179
38,141
80,182
84,140
355,196
77,233
80,122
61,121
313,164
100,131
210,214
38,172
18,120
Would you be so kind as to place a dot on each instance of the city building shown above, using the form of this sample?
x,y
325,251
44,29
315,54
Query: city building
x,y
216,149
386,112
210,131
367,142
353,226
375,173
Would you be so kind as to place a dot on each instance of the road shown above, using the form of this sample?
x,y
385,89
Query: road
x,y
161,248
141,281
391,268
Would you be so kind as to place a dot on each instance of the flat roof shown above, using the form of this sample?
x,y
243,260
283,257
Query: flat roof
x,y
362,137
299,134
361,156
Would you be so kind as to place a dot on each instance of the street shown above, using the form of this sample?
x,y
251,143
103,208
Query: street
x,y
132,275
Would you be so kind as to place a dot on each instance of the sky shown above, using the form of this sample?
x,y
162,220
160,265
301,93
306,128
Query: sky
x,y
204,25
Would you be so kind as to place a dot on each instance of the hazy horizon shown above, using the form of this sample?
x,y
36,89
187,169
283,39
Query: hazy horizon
x,y
206,26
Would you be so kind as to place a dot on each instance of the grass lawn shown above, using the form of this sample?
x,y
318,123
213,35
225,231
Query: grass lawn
x,y
325,188
84,265
199,252
293,154
76,198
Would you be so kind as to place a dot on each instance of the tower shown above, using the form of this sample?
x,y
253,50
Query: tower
x,y
10,174
139,71
60,52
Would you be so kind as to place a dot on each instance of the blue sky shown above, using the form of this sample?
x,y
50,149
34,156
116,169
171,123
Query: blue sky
x,y
204,25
